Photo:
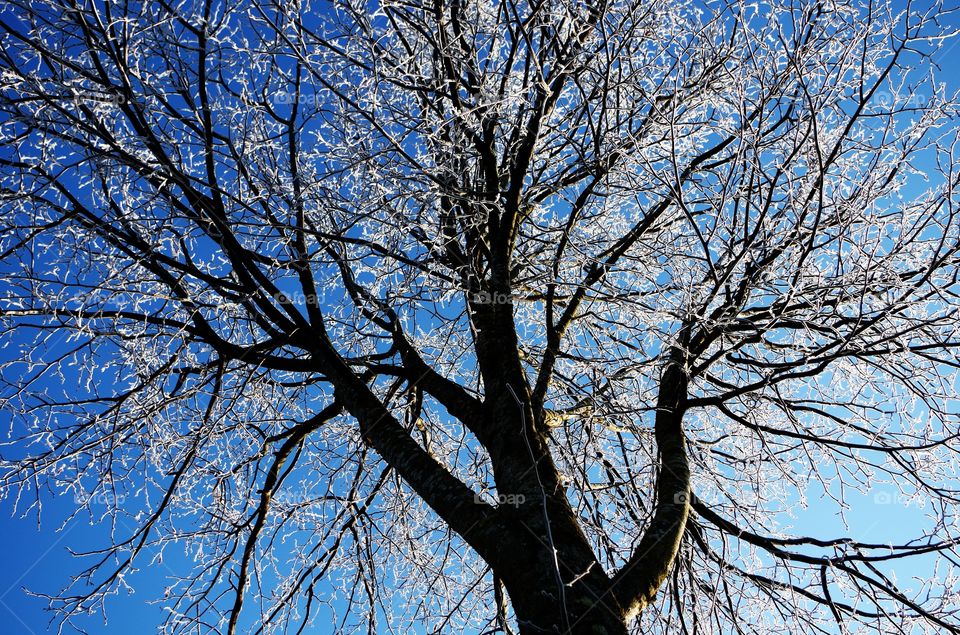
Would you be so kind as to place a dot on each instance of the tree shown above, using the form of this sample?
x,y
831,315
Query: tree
x,y
486,316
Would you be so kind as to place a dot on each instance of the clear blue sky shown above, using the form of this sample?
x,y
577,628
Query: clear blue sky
x,y
38,558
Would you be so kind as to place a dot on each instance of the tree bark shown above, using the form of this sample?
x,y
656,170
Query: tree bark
x,y
545,561
555,583
636,584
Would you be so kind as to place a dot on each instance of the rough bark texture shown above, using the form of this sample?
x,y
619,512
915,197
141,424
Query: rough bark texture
x,y
554,580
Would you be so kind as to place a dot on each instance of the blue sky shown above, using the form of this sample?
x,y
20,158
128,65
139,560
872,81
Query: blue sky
x,y
37,558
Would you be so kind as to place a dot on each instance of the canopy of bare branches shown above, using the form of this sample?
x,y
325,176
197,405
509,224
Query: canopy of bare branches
x,y
483,316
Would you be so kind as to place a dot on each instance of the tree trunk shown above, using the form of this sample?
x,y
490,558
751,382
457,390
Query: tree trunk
x,y
544,603
539,613
555,583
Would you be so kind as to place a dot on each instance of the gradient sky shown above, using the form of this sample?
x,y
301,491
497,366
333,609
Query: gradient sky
x,y
37,558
